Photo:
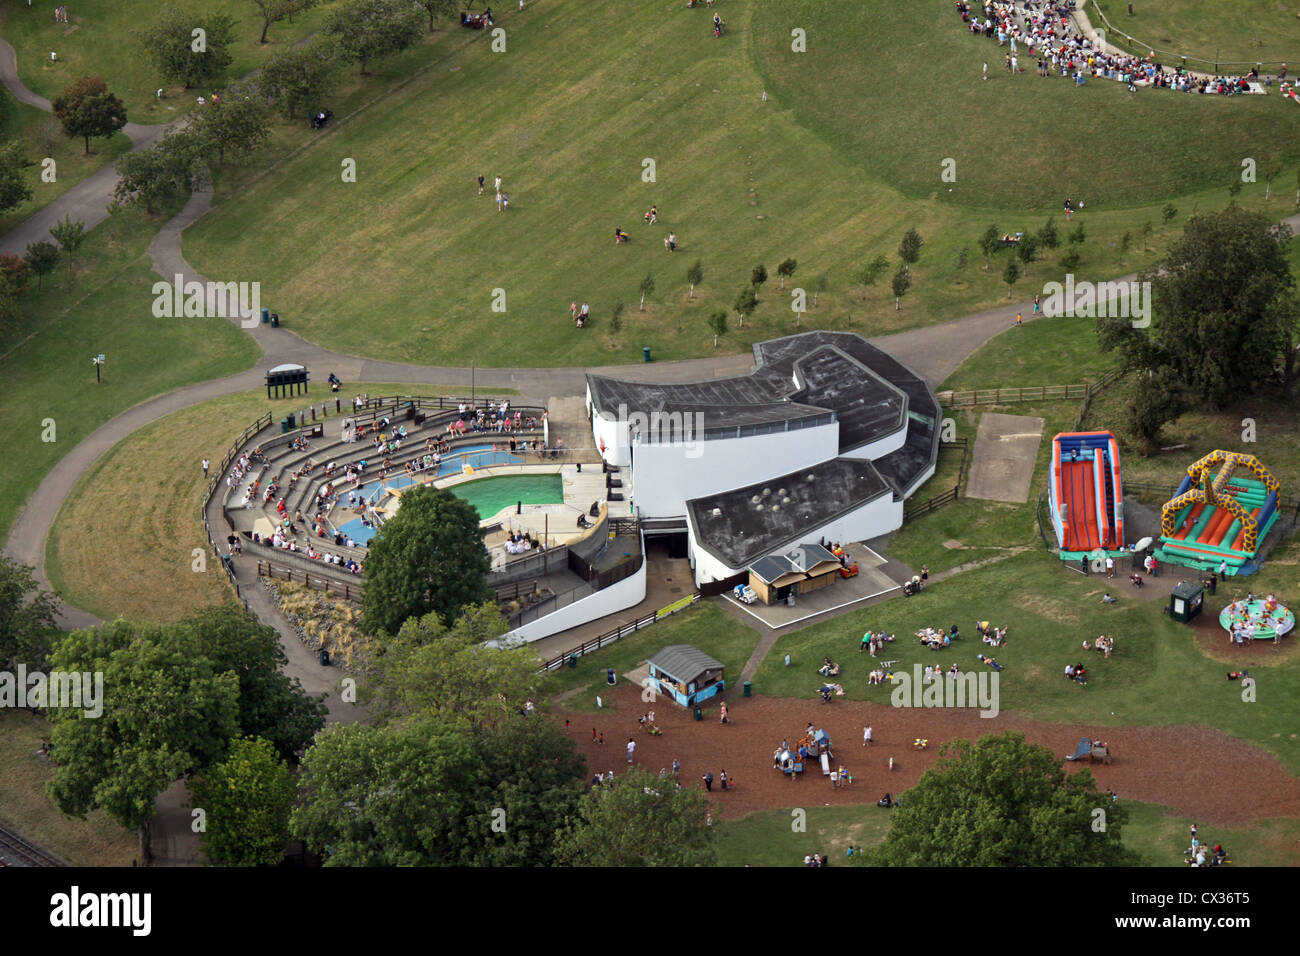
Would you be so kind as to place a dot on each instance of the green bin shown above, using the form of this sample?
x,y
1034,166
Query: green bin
x,y
293,420
573,660
645,353
749,689
284,425
699,713
324,658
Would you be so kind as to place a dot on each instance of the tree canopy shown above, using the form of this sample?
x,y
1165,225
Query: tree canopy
x,y
1003,802
246,800
429,557
366,30
297,79
180,54
26,616
87,109
14,190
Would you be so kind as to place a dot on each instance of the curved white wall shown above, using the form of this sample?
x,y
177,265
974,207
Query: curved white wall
x,y
617,597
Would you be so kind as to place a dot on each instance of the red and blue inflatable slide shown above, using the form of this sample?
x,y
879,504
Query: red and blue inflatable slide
x,y
1087,499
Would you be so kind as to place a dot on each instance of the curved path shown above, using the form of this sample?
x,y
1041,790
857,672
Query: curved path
x,y
89,199
933,351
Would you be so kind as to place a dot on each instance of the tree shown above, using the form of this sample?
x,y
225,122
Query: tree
x,y
166,712
1048,236
1078,235
172,166
1234,190
746,303
274,11
438,7
786,270
694,276
42,259
1167,215
870,273
246,800
962,259
718,323
1003,802
1010,274
1146,234
820,285
1124,242
615,320
87,109
1070,259
293,79
14,190
69,235
1156,400
182,57
758,276
1027,249
647,288
1225,302
1297,187
427,557
901,282
638,820
389,796
26,617
1271,169
238,123
990,242
366,30
429,668
909,250
272,706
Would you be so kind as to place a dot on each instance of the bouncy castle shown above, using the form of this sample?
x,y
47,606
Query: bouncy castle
x,y
1212,521
1085,493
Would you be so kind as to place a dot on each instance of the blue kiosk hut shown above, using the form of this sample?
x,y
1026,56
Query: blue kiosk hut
x,y
687,675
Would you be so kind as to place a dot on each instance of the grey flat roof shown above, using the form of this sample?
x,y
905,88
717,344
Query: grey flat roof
x,y
745,530
684,662
796,376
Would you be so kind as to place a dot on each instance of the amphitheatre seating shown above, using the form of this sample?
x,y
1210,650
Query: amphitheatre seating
x,y
282,460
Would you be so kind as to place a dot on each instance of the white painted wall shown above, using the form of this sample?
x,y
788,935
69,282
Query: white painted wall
x,y
617,597
665,476
881,446
876,517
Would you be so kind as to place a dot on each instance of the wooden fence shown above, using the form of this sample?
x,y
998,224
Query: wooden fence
x,y
1010,396
321,582
609,637
941,499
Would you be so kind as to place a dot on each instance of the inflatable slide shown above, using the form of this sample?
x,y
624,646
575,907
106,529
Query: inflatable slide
x,y
1085,493
1211,521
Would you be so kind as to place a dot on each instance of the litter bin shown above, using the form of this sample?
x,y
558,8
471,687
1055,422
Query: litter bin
x,y
1186,601
749,689
284,425
645,353
275,320
266,316
324,658
699,714
609,677
293,420
573,660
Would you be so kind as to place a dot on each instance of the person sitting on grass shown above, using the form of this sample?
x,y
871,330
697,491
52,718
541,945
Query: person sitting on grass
x,y
991,662
1107,599
1136,579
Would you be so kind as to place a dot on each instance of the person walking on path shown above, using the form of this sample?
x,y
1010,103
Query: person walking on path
x,y
723,780
708,780
866,735
986,71
480,184
1020,320
1037,303
631,748
677,767
724,713
205,467
835,779
1110,566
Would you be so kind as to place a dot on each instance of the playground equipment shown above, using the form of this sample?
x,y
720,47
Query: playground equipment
x,y
1214,521
1085,493
1094,750
1257,620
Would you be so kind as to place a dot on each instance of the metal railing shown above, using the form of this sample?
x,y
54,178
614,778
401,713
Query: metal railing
x,y
943,498
609,637
321,582
1141,48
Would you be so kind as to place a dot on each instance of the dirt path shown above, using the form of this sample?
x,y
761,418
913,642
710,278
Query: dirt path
x,y
1176,766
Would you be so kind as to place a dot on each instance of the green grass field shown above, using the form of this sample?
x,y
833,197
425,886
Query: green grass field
x,y
1244,31
768,838
99,40
421,254
107,307
37,131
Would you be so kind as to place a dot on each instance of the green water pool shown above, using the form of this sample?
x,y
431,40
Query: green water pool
x,y
490,495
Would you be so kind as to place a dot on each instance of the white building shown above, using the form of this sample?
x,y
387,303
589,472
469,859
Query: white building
x,y
825,438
